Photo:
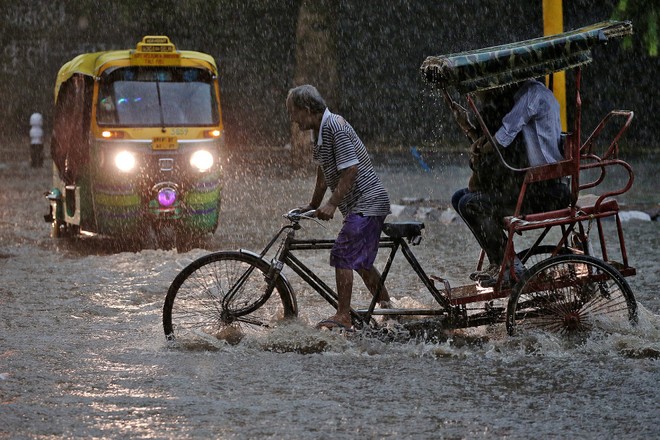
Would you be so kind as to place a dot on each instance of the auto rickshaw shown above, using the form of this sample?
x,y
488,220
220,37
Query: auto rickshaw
x,y
136,145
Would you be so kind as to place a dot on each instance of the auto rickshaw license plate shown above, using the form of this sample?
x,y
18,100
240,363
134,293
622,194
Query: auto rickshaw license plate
x,y
164,143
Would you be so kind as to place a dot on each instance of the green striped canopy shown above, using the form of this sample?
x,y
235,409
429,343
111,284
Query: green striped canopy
x,y
498,66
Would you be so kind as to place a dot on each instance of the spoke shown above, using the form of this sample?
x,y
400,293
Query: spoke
x,y
201,325
609,307
196,313
237,287
252,320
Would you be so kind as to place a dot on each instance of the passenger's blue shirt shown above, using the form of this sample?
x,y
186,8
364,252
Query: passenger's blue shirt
x,y
535,114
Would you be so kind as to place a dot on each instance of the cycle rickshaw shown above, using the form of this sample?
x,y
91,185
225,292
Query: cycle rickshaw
x,y
137,138
568,287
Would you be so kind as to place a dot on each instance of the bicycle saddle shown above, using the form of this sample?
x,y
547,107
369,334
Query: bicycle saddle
x,y
403,229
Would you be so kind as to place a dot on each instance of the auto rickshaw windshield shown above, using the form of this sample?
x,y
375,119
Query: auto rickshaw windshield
x,y
156,96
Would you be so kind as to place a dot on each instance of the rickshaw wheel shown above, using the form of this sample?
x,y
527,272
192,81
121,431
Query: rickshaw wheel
x,y
224,293
536,254
570,294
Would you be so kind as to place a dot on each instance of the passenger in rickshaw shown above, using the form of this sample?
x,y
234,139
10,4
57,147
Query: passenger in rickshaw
x,y
533,121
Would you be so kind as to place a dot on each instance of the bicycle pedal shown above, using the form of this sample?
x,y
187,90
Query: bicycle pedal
x,y
445,283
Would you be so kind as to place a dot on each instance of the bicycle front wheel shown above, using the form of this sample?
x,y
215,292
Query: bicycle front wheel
x,y
225,290
570,294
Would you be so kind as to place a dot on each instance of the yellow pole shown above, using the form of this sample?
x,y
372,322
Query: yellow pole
x,y
553,23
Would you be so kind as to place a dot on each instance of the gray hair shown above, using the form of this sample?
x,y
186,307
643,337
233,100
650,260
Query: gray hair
x,y
306,96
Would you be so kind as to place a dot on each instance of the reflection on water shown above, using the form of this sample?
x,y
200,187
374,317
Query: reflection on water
x,y
82,351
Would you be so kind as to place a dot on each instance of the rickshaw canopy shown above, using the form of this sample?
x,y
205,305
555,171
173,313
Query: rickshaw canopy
x,y
498,66
151,51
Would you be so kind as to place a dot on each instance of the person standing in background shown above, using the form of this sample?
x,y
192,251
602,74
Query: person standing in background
x,y
36,140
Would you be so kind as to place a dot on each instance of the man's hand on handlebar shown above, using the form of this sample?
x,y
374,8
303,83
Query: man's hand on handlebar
x,y
326,212
308,210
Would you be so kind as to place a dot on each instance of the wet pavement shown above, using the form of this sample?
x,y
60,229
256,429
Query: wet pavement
x,y
83,355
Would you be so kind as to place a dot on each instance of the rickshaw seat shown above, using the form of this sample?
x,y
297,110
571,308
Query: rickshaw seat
x,y
581,211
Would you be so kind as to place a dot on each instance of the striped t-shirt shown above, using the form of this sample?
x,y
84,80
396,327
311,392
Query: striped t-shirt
x,y
339,147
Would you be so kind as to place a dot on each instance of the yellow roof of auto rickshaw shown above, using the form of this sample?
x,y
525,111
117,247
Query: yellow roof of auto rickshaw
x,y
91,64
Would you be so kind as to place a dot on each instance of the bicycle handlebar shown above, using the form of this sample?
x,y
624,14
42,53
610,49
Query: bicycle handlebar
x,y
295,215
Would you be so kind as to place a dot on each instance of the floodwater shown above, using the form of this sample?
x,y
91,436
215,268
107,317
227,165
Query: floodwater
x,y
83,355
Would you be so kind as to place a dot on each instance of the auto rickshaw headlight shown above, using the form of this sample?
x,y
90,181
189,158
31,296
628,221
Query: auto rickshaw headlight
x,y
125,161
201,160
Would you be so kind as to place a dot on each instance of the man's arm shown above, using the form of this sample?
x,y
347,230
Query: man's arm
x,y
319,190
346,181
462,119
513,122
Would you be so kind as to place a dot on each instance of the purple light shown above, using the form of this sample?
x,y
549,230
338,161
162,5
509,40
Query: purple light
x,y
166,197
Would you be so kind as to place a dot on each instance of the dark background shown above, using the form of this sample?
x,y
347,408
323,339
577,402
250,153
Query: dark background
x,y
380,44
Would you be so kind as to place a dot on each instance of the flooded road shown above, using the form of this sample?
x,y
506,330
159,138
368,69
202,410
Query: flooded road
x,y
83,355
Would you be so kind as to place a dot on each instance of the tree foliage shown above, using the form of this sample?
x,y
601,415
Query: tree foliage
x,y
645,12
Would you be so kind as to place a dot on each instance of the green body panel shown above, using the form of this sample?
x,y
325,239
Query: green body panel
x,y
203,204
118,206
123,208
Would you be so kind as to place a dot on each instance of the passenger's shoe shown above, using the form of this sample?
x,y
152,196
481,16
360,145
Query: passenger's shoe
x,y
518,267
491,271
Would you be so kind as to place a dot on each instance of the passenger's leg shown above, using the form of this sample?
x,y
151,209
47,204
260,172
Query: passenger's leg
x,y
456,198
480,214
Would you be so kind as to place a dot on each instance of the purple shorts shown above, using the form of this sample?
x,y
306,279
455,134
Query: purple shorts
x,y
357,243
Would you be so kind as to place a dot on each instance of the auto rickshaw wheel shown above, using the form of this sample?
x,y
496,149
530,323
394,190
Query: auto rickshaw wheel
x,y
186,241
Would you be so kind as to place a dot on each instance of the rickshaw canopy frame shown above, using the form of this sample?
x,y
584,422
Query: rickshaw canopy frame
x,y
498,66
